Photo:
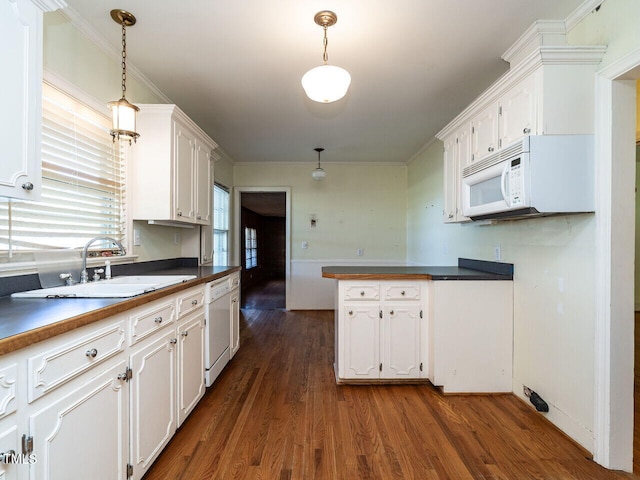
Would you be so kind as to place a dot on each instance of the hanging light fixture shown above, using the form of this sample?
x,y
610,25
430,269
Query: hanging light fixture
x,y
326,83
318,173
123,113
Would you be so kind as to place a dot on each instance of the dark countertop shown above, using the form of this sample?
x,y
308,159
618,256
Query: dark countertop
x,y
24,321
467,269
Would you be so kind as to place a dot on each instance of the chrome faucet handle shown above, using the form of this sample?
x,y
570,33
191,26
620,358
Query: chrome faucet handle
x,y
96,274
68,278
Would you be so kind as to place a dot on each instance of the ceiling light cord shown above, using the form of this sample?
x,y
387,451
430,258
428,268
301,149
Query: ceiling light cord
x,y
124,60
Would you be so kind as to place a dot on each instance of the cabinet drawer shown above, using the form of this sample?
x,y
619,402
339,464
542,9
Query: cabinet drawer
x,y
150,321
61,364
362,292
402,292
190,301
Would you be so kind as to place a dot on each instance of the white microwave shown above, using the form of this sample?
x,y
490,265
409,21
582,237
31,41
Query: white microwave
x,y
538,175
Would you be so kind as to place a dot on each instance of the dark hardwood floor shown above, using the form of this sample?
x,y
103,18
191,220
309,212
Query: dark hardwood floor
x,y
277,413
267,295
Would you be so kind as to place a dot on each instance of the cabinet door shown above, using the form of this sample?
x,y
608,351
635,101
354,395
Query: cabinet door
x,y
518,112
153,393
361,341
202,182
21,99
235,323
11,467
191,386
401,336
484,133
183,174
451,181
84,434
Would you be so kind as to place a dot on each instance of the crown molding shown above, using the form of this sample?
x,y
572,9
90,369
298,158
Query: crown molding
x,y
88,31
49,5
585,9
541,32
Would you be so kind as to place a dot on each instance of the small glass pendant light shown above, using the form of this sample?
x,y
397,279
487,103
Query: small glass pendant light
x,y
318,174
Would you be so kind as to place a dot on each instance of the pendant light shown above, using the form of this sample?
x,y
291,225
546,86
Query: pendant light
x,y
123,113
319,174
326,83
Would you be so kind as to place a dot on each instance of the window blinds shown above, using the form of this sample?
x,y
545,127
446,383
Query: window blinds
x,y
83,183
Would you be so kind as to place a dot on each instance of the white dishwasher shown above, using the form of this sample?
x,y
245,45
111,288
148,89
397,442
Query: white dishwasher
x,y
218,328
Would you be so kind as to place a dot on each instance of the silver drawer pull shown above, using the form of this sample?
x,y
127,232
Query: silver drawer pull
x,y
194,302
93,353
362,293
185,334
158,320
173,341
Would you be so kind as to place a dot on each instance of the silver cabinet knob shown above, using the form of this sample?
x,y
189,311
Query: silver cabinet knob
x,y
179,214
8,456
526,131
173,341
362,293
402,293
185,333
194,302
490,149
158,320
451,215
27,186
350,312
391,312
92,353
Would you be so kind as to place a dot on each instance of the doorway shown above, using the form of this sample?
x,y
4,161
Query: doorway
x,y
263,246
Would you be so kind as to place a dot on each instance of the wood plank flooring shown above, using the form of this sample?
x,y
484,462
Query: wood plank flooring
x,y
277,413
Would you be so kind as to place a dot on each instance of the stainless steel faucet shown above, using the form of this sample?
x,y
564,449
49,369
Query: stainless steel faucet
x,y
84,275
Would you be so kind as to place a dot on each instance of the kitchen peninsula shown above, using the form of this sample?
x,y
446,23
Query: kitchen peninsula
x,y
452,326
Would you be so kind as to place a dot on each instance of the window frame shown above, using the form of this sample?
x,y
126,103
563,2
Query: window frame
x,y
32,266
224,231
253,248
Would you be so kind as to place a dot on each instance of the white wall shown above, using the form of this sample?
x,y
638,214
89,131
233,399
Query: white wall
x,y
553,289
356,206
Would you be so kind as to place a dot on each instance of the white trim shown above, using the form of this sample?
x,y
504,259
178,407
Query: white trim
x,y
312,164
580,13
91,33
540,30
613,410
237,207
49,5
72,90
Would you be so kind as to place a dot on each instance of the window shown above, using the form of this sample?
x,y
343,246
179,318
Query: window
x,y
250,248
220,225
83,184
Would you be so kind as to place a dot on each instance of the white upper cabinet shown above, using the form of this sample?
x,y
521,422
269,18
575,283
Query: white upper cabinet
x,y
549,89
21,96
172,168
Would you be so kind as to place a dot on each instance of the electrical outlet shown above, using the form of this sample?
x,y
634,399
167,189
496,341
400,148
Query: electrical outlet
x,y
176,238
305,245
360,252
497,252
136,237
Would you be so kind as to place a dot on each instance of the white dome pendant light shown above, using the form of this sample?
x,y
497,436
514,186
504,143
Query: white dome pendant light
x,y
326,83
318,174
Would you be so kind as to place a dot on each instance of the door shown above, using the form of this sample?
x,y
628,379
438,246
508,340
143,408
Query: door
x,y
84,434
153,392
190,365
184,173
234,299
401,337
361,341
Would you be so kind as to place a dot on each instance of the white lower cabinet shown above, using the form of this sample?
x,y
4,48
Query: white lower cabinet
x,y
9,447
85,433
153,392
235,320
380,330
90,404
191,385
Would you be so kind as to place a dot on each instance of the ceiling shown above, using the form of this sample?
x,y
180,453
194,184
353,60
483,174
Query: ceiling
x,y
235,68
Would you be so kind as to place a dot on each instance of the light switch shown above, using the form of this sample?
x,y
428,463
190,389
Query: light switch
x,y
305,245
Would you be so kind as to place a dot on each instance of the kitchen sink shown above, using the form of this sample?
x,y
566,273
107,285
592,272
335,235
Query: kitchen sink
x,y
118,287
